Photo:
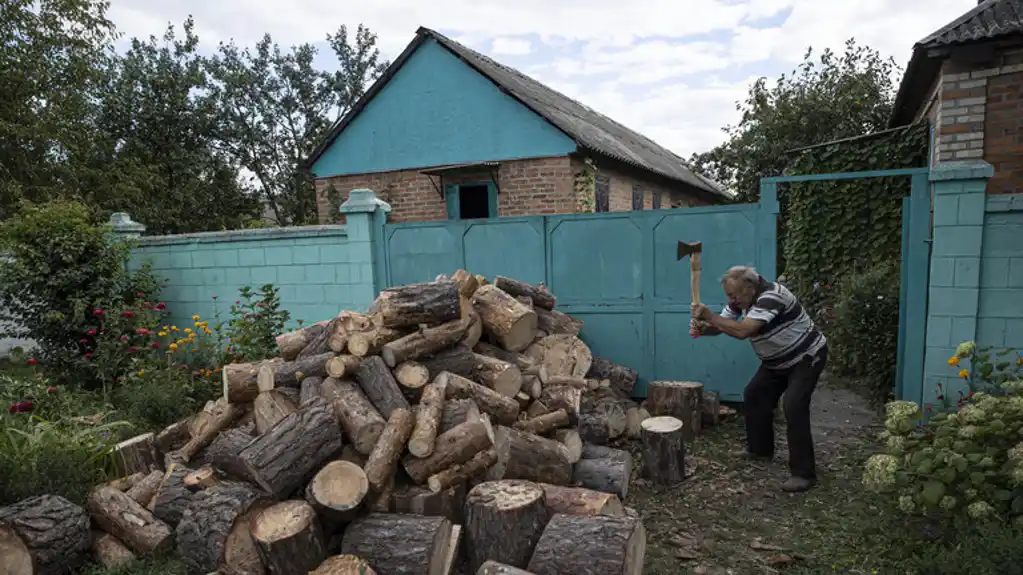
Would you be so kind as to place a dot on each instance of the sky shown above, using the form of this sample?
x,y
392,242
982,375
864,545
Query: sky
x,y
669,69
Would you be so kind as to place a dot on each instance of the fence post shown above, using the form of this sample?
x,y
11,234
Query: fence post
x,y
124,227
954,283
365,215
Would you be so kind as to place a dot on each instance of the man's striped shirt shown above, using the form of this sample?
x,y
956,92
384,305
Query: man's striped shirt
x,y
788,335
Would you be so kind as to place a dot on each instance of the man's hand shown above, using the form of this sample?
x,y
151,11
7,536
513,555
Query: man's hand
x,y
694,329
699,311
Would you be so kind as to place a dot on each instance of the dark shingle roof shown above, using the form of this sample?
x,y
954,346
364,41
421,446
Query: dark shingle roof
x,y
590,129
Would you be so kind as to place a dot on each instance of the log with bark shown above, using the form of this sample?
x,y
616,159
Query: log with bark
x,y
202,478
474,325
495,568
379,385
321,343
539,295
46,534
135,455
604,469
563,397
680,399
457,412
292,343
501,408
503,522
467,283
221,417
452,447
553,322
172,437
108,551
504,318
411,376
172,496
124,518
372,342
311,387
144,489
269,407
572,442
527,456
561,355
342,365
544,424
711,412
602,421
361,422
215,531
459,360
430,303
224,453
570,381
337,491
428,419
344,565
623,379
383,460
240,380
291,373
590,545
499,375
580,501
461,473
663,450
284,457
424,342
126,483
289,538
399,543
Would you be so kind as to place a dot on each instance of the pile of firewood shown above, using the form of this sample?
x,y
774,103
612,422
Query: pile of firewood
x,y
454,419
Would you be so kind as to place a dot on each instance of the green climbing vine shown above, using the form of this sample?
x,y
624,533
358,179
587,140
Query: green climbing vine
x,y
586,186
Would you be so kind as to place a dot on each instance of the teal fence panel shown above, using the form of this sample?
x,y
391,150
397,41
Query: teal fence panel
x,y
615,271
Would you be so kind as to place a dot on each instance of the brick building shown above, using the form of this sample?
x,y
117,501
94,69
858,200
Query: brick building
x,y
447,132
967,78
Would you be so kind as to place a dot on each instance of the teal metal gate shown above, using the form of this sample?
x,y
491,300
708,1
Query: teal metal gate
x,y
615,271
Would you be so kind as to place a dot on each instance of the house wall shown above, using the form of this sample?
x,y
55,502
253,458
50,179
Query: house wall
x,y
623,182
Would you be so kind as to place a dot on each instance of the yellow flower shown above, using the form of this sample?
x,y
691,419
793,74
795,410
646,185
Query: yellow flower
x,y
173,347
963,373
217,369
195,318
162,334
195,349
174,328
198,324
205,323
209,372
142,372
188,330
953,361
207,331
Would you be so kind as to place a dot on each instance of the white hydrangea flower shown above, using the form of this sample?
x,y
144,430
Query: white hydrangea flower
x,y
880,472
966,348
968,431
973,414
906,504
896,444
1017,475
948,503
1016,453
970,493
902,409
979,509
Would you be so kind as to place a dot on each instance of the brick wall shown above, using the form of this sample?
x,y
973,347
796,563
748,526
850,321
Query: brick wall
x,y
1003,133
622,184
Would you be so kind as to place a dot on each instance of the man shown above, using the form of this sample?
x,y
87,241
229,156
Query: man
x,y
792,352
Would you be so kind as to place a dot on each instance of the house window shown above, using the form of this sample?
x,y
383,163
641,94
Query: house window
x,y
603,193
477,200
637,198
656,200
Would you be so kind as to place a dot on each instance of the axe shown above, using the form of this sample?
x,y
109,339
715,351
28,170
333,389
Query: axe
x,y
692,250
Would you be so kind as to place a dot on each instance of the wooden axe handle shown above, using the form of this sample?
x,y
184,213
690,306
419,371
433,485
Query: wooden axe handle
x,y
694,276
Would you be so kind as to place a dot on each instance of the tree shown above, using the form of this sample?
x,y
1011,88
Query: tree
x,y
826,99
277,107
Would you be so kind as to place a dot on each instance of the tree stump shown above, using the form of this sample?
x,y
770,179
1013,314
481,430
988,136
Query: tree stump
x,y
216,528
663,450
540,296
424,342
452,447
362,423
344,565
172,496
457,412
495,568
580,501
527,456
682,400
503,409
623,379
711,409
420,501
607,469
122,517
107,551
379,385
503,522
383,460
512,323
289,538
46,534
590,545
431,407
459,360
430,303
399,543
337,491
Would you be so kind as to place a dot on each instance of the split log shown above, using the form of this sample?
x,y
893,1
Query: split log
x,y
412,376
456,474
711,412
634,418
172,437
452,447
108,551
399,543
544,424
379,385
342,365
337,491
454,550
428,419
215,531
424,342
623,379
503,522
172,496
467,283
495,568
474,325
133,524
524,402
270,407
362,423
223,415
457,412
526,456
311,387
499,375
563,397
421,501
289,538
553,322
144,490
321,343
344,565
430,303
503,317
539,295
580,501
224,453
561,355
531,386
135,455
525,363
604,469
202,478
603,421
663,450
45,534
292,343
291,373
572,442
286,455
383,460
126,483
682,400
503,409
372,342
590,545
536,409
240,380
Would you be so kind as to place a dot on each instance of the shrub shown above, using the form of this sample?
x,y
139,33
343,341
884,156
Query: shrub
x,y
256,320
864,328
159,565
987,549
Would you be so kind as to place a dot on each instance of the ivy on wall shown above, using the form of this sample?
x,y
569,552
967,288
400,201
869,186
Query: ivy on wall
x,y
585,186
833,229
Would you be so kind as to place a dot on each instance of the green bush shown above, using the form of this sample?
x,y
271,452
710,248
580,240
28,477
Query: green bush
x,y
256,320
988,549
864,329
162,565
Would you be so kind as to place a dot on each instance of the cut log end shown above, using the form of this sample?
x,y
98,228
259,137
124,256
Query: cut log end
x,y
289,537
344,565
663,450
504,520
590,544
338,490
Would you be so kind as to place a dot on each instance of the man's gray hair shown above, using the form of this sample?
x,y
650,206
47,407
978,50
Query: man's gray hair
x,y
744,274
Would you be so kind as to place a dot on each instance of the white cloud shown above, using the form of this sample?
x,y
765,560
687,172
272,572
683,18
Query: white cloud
x,y
511,46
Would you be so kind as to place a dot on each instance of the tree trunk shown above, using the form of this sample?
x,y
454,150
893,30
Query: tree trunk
x,y
289,538
623,379
499,375
462,473
292,343
512,323
544,424
383,460
144,490
554,322
495,568
453,447
344,565
430,303
467,283
572,442
337,491
122,517
603,421
202,478
270,407
291,373
372,342
539,295
457,412
240,380
377,381
362,423
711,412
580,501
135,455
172,437
503,522
398,544
428,419
108,551
419,501
283,458
604,469
503,409
224,453
590,545
45,534
222,416
342,365
526,456
424,342
172,496
215,529
682,400
663,450
563,397
412,376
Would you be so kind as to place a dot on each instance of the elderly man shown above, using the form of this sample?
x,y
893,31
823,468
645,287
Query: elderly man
x,y
792,352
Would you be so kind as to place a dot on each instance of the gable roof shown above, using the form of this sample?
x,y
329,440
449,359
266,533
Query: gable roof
x,y
590,129
988,20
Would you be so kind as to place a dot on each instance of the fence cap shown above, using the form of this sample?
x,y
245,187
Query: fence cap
x,y
122,223
362,200
963,170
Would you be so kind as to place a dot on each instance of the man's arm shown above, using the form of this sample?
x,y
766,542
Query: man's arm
x,y
730,327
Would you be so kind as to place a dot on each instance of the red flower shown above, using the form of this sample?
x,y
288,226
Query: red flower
x,y
97,312
214,297
51,389
33,362
124,337
88,355
83,340
940,397
237,301
155,345
91,332
140,294
127,314
132,349
21,407
161,306
142,331
117,380
101,330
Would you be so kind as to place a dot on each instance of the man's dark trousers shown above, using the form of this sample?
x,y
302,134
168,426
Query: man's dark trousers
x,y
797,383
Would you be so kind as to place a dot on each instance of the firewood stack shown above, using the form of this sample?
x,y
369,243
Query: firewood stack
x,y
374,442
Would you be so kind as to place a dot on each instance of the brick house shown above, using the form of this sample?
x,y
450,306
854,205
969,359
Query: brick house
x,y
967,79
448,133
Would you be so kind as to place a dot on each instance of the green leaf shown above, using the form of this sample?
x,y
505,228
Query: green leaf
x,y
932,492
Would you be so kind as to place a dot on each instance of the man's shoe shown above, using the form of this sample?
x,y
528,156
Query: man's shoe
x,y
798,484
753,456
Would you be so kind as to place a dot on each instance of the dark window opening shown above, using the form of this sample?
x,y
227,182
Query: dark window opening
x,y
473,202
637,198
603,194
656,201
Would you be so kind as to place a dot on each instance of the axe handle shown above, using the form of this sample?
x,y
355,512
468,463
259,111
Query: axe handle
x,y
694,276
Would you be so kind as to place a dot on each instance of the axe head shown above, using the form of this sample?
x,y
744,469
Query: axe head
x,y
688,249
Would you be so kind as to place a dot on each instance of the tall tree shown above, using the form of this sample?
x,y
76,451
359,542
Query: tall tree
x,y
277,107
824,99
